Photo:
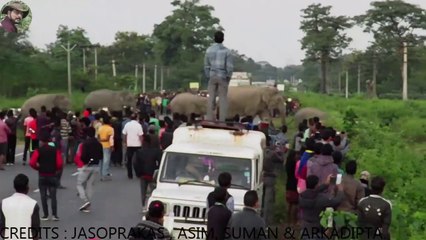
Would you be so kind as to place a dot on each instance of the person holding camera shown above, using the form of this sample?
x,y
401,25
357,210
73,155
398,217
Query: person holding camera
x,y
315,200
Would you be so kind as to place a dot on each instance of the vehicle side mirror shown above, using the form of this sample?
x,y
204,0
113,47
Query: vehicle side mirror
x,y
155,176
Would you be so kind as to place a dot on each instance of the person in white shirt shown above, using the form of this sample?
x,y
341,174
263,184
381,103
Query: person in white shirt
x,y
19,212
132,135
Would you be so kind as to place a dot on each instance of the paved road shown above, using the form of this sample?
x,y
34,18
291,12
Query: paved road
x,y
115,205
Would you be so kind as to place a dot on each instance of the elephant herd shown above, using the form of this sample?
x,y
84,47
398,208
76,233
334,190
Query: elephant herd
x,y
104,98
244,101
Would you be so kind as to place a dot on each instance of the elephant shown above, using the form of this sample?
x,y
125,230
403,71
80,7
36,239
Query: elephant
x,y
252,101
188,103
113,100
48,100
306,113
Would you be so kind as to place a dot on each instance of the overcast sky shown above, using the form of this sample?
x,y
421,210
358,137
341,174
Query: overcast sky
x,y
266,30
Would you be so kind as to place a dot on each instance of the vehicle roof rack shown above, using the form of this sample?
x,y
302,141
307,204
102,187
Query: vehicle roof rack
x,y
220,125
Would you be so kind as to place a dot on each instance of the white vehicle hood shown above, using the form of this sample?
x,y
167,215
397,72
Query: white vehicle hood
x,y
192,193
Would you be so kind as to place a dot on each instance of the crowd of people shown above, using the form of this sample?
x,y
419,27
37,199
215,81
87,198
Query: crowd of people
x,y
93,141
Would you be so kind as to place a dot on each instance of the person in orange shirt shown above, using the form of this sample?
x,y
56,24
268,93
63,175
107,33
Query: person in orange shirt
x,y
106,137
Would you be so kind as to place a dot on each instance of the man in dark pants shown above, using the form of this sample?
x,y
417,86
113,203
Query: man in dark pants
x,y
12,123
218,67
146,160
132,135
47,160
269,180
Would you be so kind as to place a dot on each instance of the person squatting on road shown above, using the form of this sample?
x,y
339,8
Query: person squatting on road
x,y
47,160
88,157
218,67
19,211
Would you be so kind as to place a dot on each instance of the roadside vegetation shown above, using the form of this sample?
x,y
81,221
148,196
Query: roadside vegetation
x,y
387,139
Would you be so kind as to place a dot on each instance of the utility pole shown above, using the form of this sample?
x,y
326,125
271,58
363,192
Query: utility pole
x,y
114,73
136,77
68,50
155,77
359,78
347,84
162,79
96,63
84,60
374,74
143,78
404,74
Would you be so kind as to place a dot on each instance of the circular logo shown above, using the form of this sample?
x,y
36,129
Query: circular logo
x,y
15,17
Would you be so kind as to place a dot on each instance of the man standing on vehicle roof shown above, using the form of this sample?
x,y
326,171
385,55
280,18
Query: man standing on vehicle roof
x,y
218,67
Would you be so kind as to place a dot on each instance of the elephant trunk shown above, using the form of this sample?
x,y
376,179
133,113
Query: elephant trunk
x,y
283,114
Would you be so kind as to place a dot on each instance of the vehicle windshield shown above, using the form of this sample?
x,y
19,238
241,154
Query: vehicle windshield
x,y
195,169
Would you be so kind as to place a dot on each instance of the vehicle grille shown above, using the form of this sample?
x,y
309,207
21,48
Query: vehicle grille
x,y
189,211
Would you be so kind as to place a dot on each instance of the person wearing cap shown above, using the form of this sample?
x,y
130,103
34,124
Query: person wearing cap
x,y
47,160
15,12
151,228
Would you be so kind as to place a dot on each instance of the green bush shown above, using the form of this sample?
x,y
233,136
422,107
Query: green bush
x,y
386,139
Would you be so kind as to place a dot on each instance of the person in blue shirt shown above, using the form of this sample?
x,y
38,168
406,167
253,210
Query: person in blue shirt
x,y
218,67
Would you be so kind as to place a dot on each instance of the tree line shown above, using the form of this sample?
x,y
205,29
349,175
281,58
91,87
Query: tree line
x,y
393,24
177,46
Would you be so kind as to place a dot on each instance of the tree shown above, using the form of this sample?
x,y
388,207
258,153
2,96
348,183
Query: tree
x,y
324,37
392,23
63,35
185,35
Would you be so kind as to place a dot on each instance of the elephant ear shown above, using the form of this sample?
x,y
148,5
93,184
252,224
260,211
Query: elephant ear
x,y
266,95
57,100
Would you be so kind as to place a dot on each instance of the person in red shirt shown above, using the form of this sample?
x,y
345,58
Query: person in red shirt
x,y
47,160
32,129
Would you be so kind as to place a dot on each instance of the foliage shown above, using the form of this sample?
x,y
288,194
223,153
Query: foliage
x,y
386,140
324,38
